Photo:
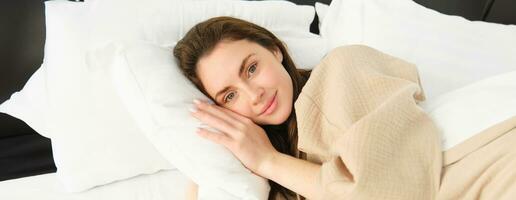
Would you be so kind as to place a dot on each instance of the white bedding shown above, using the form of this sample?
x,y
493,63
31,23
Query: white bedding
x,y
164,185
462,113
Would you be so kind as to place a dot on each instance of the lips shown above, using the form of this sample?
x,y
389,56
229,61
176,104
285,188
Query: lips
x,y
269,103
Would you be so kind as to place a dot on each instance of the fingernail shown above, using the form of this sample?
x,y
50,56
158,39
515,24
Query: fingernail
x,y
192,109
196,101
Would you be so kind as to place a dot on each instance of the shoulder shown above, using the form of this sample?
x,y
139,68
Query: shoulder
x,y
351,64
341,60
358,59
345,55
352,48
355,51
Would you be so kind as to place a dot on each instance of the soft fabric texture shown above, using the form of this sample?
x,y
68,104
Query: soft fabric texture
x,y
165,21
467,111
358,116
158,97
483,166
321,9
94,140
305,49
449,51
30,103
163,185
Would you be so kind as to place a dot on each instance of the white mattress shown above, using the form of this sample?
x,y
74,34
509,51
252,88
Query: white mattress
x,y
163,185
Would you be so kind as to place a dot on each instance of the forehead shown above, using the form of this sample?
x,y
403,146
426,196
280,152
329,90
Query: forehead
x,y
220,67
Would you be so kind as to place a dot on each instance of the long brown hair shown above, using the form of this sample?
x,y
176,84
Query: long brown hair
x,y
201,39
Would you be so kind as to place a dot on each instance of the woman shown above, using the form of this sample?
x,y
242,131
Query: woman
x,y
360,130
254,83
358,117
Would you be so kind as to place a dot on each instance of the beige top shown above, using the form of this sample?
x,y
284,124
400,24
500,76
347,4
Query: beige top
x,y
358,117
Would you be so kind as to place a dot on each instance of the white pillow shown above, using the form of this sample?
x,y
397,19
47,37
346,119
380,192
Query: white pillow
x,y
449,51
158,96
321,9
30,104
462,113
94,140
305,49
164,22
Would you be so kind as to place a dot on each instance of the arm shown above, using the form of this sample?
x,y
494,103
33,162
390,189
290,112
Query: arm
x,y
191,191
250,144
295,174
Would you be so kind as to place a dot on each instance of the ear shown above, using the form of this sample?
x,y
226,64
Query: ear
x,y
277,53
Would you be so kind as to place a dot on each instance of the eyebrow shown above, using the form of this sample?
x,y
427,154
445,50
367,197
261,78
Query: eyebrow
x,y
240,71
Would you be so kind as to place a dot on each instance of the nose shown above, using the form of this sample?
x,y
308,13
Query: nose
x,y
255,93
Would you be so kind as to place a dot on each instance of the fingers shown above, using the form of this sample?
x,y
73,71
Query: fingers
x,y
215,110
213,121
234,116
219,138
222,119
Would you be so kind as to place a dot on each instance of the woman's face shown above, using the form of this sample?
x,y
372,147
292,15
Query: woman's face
x,y
248,79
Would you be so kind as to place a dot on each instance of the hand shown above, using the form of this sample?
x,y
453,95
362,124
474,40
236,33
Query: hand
x,y
246,140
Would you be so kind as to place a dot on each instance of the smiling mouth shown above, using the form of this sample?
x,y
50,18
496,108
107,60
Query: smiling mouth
x,y
271,105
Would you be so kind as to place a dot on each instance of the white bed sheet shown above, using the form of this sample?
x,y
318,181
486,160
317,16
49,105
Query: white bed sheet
x,y
467,111
163,185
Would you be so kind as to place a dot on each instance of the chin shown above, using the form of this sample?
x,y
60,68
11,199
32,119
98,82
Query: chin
x,y
280,117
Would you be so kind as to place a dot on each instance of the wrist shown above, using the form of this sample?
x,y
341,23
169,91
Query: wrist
x,y
267,166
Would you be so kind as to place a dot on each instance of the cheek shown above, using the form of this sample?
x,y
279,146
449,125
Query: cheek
x,y
242,107
284,81
287,88
288,93
271,78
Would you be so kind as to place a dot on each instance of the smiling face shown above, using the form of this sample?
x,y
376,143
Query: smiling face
x,y
248,79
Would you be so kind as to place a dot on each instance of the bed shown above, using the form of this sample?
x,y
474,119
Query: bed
x,y
27,169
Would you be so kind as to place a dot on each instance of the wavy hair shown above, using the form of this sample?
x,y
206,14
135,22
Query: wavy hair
x,y
201,39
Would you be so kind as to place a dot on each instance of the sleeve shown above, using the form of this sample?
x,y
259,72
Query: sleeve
x,y
358,112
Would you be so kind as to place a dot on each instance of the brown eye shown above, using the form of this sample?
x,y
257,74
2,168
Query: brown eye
x,y
229,97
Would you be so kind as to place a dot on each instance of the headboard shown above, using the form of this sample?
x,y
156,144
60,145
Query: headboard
x,y
23,152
